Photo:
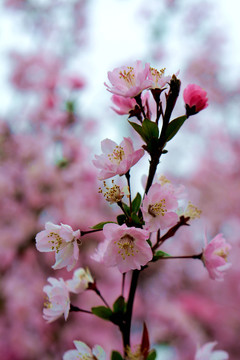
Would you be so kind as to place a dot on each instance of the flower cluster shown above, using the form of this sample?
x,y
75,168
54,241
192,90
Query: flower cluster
x,y
133,241
58,293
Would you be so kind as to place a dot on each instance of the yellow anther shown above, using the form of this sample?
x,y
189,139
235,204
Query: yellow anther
x,y
192,211
158,208
126,246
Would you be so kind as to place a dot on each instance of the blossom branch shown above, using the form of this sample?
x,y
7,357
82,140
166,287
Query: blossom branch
x,y
129,187
171,232
198,256
77,309
132,291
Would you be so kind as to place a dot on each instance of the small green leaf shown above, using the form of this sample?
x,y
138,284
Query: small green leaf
x,y
100,225
126,208
136,203
102,312
116,356
70,106
152,355
121,219
119,305
137,222
174,126
63,163
149,242
138,129
150,129
159,254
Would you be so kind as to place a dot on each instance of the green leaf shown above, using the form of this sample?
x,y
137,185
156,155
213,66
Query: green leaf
x,y
149,242
136,203
116,356
102,312
152,355
137,222
70,106
119,305
138,129
121,219
159,254
150,129
100,225
126,208
174,126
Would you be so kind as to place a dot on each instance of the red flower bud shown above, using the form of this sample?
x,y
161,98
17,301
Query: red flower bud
x,y
195,99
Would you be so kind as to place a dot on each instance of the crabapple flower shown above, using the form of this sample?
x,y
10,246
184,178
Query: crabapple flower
x,y
158,79
195,99
84,352
214,257
79,282
58,301
206,352
157,206
124,247
124,105
129,81
115,193
61,239
116,159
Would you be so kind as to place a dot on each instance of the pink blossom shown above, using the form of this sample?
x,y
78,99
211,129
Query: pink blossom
x,y
116,159
61,239
79,282
214,257
195,99
58,302
158,79
125,105
206,353
129,81
84,352
157,206
124,247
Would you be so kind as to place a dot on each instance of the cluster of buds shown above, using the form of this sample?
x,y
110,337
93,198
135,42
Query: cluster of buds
x,y
128,243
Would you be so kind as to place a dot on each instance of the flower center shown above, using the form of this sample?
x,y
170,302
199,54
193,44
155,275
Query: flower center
x,y
112,194
136,355
158,208
157,74
117,155
128,76
86,357
56,241
222,252
126,246
47,304
192,211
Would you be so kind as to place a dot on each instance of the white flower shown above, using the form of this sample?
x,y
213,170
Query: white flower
x,y
79,282
63,241
58,302
206,353
83,352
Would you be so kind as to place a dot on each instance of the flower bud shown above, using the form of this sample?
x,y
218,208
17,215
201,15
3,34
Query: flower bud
x,y
195,99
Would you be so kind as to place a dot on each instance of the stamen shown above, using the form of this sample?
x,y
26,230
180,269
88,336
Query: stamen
x,y
158,208
126,246
56,241
192,211
128,76
223,253
112,194
157,74
117,156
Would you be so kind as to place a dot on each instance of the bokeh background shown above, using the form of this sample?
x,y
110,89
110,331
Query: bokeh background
x,y
55,110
